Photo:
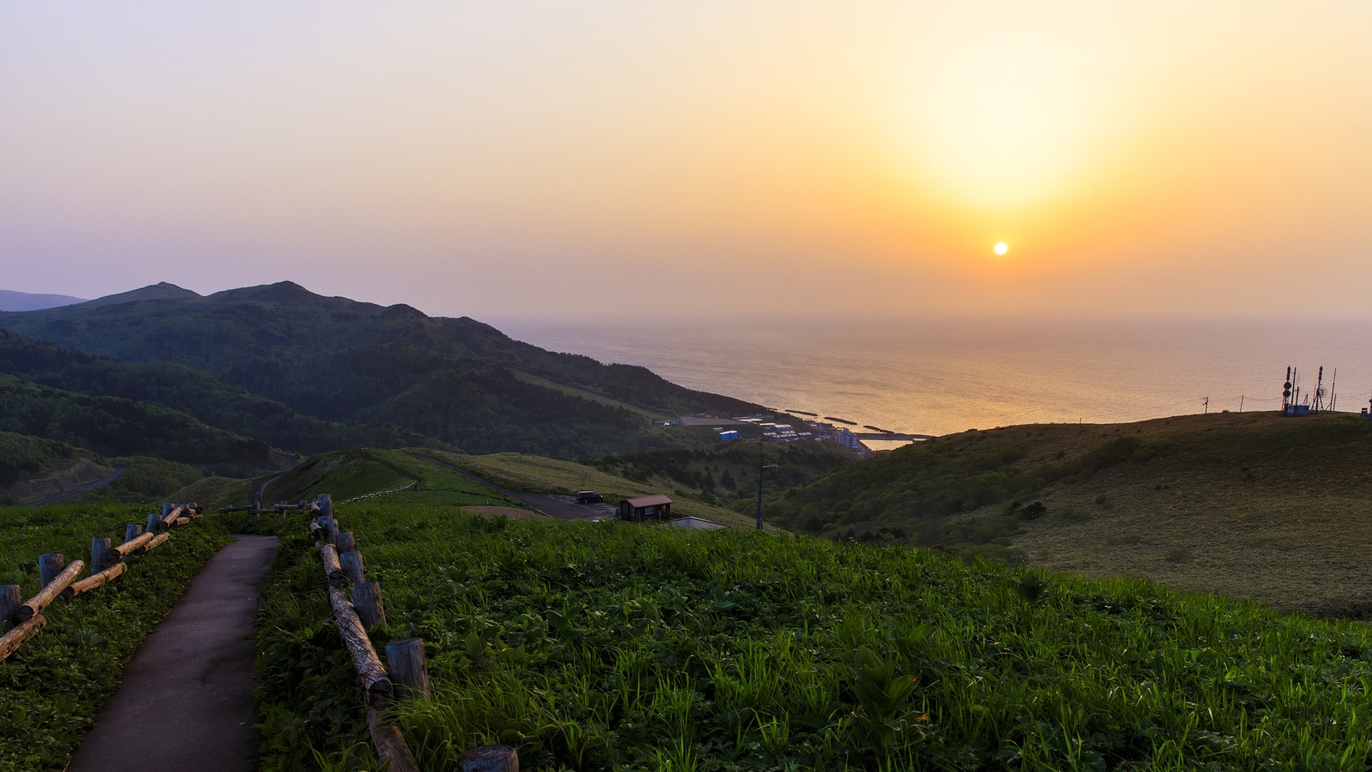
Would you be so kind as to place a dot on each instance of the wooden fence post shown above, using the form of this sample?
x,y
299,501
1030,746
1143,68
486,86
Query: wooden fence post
x,y
367,600
325,504
408,667
154,520
9,601
132,531
352,567
489,758
100,554
49,566
390,745
345,542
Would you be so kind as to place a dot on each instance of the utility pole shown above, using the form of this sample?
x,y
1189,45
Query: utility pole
x,y
1207,406
761,465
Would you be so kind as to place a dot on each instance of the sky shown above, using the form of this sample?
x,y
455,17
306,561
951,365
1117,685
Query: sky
x,y
622,160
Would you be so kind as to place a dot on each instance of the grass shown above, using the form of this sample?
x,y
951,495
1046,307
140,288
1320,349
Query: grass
x,y
214,492
1274,509
1259,506
51,689
551,475
573,391
598,646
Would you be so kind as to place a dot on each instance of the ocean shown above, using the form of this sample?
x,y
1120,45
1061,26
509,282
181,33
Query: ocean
x,y
942,376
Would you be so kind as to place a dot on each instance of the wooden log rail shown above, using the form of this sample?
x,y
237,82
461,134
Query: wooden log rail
x,y
132,547
58,579
95,580
19,635
50,592
406,675
375,681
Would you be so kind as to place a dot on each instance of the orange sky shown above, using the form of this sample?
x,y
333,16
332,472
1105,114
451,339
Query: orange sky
x,y
551,159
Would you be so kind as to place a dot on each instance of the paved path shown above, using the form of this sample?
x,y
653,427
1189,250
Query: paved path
x,y
259,486
184,702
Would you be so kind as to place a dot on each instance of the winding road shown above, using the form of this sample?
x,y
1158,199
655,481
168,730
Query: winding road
x,y
118,470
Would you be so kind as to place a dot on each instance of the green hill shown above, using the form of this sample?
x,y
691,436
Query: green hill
x,y
619,646
193,392
726,474
336,359
1250,505
24,458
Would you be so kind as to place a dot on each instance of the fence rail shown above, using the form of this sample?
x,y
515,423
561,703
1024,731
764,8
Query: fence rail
x,y
58,579
405,674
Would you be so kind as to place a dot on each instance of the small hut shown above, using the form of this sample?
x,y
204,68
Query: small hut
x,y
645,508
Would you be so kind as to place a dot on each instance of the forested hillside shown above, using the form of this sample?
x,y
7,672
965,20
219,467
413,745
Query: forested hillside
x,y
193,392
112,426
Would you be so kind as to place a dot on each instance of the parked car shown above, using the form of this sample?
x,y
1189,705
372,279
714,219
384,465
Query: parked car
x,y
588,497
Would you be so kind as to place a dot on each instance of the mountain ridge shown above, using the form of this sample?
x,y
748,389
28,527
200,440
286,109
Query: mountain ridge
x,y
455,379
18,302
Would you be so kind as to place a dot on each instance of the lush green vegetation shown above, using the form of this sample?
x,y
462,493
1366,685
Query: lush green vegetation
x,y
113,426
51,689
335,359
192,392
726,473
1251,505
596,646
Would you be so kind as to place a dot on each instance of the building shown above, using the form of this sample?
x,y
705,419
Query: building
x,y
728,435
642,508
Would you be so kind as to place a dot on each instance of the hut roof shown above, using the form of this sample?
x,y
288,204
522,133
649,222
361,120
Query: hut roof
x,y
648,501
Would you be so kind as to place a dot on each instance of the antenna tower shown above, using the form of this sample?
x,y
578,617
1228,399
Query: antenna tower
x,y
1286,390
1318,404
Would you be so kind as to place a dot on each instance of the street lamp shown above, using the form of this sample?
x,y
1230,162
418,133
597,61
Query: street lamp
x,y
761,465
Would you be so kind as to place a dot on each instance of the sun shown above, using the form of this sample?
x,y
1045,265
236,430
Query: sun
x,y
1002,248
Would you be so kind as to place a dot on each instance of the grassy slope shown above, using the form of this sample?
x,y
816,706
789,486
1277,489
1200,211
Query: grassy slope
x,y
595,646
725,474
1253,505
23,458
552,475
51,689
214,492
354,473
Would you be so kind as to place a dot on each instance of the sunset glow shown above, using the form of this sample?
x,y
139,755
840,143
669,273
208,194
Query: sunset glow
x,y
523,160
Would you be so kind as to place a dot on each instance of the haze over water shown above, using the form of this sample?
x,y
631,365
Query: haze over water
x,y
943,376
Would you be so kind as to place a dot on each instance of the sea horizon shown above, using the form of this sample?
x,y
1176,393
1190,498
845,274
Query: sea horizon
x,y
943,375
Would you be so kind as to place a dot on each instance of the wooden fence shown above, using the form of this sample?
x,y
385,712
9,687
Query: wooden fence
x,y
357,606
58,579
